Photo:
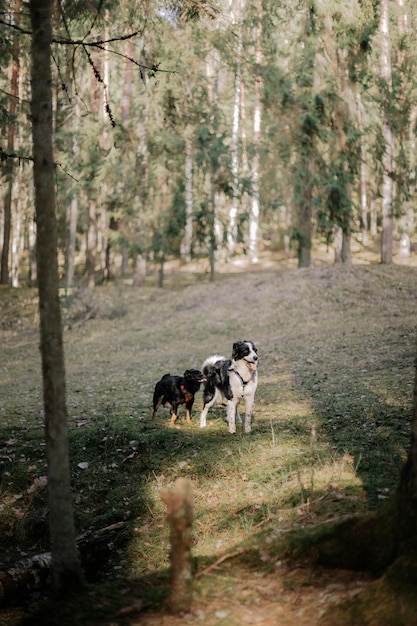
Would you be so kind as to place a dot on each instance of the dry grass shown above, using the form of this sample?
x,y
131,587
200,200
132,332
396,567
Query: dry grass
x,y
337,347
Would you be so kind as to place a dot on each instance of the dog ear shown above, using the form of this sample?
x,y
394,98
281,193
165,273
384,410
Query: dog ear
x,y
236,348
253,346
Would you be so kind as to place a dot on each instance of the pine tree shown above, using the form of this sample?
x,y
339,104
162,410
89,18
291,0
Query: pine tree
x,y
66,566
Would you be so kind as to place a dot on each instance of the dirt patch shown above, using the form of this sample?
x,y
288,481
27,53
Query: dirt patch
x,y
290,595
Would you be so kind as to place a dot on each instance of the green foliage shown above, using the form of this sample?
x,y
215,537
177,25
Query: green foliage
x,y
317,58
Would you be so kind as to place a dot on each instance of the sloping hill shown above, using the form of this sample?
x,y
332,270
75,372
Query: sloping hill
x,y
332,413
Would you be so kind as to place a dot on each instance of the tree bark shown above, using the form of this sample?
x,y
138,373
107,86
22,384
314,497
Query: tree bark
x,y
254,212
363,193
388,157
189,200
4,264
16,233
72,211
212,70
232,229
66,566
91,244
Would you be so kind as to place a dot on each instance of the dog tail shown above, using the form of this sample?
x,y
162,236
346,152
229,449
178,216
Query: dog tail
x,y
209,365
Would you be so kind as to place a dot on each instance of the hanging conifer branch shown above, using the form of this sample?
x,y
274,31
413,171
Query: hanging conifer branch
x,y
100,80
4,156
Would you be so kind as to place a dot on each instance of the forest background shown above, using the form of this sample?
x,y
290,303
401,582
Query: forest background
x,y
205,130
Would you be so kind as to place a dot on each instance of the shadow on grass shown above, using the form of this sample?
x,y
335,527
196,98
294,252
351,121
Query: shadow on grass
x,y
358,421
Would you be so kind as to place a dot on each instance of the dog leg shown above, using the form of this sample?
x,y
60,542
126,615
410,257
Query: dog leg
x,y
203,416
231,415
188,408
174,418
156,406
249,400
238,418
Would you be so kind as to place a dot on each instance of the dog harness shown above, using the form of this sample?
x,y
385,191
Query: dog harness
x,y
244,382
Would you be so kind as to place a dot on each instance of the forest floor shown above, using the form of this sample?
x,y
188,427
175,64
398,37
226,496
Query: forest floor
x,y
331,430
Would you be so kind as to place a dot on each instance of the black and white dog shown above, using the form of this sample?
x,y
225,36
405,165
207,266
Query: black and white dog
x,y
172,391
231,380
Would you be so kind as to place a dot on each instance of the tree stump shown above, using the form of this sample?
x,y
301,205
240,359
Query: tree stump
x,y
180,518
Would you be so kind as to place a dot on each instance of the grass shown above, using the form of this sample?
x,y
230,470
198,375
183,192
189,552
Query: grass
x,y
331,430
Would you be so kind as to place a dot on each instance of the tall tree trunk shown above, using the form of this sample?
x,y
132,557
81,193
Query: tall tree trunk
x,y
388,156
4,264
245,200
33,269
363,172
232,229
16,233
337,242
97,104
305,137
72,218
72,211
66,566
254,212
410,219
304,225
346,253
212,69
91,244
189,200
213,220
303,197
407,131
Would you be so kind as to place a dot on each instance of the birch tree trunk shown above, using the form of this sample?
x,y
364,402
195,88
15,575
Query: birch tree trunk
x,y
66,566
232,230
388,156
91,243
33,269
254,212
212,70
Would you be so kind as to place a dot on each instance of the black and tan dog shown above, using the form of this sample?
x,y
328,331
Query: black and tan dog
x,y
172,391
